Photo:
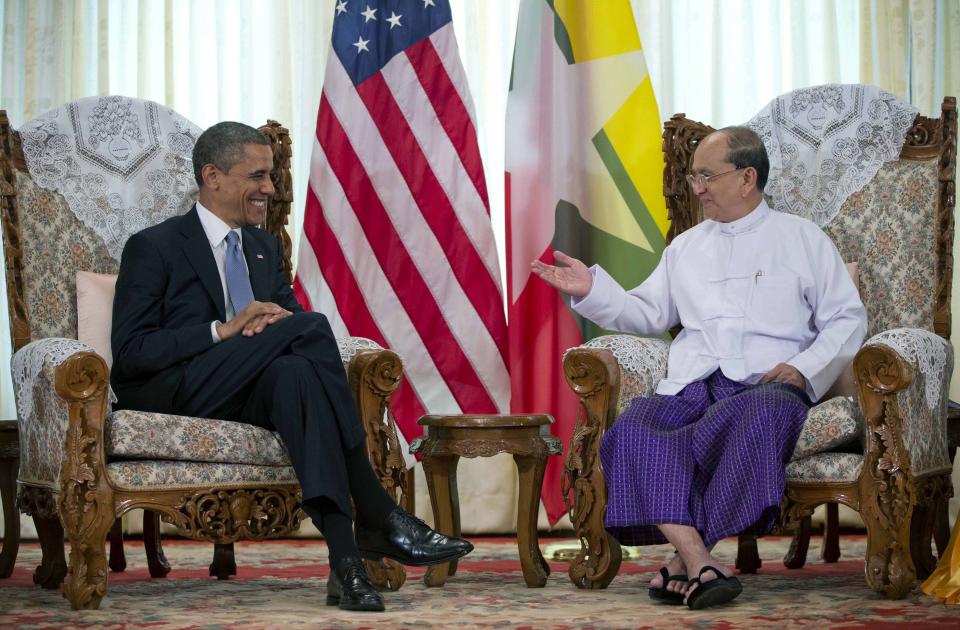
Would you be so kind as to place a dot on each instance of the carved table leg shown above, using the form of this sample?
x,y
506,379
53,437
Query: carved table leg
x,y
830,551
224,563
797,554
118,561
530,469
53,563
889,568
441,473
748,559
11,516
156,560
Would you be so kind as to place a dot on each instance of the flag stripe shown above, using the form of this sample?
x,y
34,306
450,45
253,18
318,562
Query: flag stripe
x,y
472,327
450,110
373,306
444,158
435,207
397,264
445,43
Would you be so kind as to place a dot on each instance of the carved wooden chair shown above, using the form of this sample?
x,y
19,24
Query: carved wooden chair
x,y
82,467
897,474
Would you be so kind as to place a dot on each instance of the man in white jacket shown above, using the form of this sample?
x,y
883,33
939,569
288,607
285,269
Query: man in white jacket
x,y
770,319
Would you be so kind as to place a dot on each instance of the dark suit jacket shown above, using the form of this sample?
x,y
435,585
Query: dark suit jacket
x,y
168,292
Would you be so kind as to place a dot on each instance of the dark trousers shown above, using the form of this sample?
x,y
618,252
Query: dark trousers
x,y
289,378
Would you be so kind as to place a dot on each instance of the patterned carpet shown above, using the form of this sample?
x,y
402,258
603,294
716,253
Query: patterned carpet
x,y
282,584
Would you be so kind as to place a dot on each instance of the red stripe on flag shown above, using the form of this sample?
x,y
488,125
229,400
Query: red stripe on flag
x,y
351,304
300,294
451,111
397,265
541,329
467,266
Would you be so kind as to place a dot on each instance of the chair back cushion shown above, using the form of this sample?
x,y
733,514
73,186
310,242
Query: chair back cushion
x,y
890,228
95,311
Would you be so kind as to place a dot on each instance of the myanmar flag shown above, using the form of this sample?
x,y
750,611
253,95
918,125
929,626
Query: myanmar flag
x,y
584,176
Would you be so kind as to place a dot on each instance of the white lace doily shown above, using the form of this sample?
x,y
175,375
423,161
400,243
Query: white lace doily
x,y
641,355
924,348
350,346
826,142
26,364
122,164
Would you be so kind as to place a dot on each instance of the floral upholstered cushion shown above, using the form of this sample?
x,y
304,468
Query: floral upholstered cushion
x,y
144,435
826,467
158,475
55,246
890,228
830,424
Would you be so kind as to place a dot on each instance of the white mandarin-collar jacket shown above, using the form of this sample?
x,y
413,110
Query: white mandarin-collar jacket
x,y
765,289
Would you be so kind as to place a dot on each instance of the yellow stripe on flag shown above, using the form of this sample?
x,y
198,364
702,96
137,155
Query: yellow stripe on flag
x,y
634,132
598,29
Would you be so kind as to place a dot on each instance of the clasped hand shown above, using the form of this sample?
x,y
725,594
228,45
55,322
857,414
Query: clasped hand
x,y
252,320
574,278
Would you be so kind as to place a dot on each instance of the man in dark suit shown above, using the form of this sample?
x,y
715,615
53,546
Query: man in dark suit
x,y
204,324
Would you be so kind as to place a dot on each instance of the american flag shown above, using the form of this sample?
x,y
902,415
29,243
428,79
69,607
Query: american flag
x,y
397,243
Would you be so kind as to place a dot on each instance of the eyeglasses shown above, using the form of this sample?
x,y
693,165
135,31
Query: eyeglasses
x,y
702,180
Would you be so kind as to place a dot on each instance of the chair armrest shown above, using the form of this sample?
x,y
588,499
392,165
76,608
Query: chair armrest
x,y
375,374
54,380
904,381
642,362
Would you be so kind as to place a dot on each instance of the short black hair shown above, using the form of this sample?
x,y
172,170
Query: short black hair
x,y
222,145
745,148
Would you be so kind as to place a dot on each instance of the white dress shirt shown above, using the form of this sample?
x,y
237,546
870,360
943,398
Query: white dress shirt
x,y
765,289
216,230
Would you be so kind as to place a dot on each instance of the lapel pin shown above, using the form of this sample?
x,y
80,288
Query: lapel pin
x,y
260,256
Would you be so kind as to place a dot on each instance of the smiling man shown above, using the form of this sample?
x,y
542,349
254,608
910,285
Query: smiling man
x,y
770,319
205,324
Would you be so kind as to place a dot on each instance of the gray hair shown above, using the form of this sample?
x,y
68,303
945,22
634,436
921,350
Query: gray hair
x,y
745,148
222,145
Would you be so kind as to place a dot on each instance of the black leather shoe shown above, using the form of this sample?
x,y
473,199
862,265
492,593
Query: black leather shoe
x,y
349,587
408,540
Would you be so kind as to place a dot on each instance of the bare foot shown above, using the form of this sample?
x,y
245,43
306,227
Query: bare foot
x,y
674,567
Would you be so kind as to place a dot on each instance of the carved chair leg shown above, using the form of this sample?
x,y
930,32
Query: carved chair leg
x,y
941,527
118,561
156,560
53,564
748,559
921,535
830,552
224,563
889,567
797,554
11,517
86,583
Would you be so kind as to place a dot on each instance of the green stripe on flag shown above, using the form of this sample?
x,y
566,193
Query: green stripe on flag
x,y
561,36
629,192
623,260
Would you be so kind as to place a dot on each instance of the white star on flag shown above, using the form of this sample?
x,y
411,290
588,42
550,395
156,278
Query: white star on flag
x,y
361,44
369,14
341,7
428,3
394,19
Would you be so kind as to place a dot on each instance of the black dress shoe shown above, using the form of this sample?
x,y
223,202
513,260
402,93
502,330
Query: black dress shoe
x,y
408,540
349,587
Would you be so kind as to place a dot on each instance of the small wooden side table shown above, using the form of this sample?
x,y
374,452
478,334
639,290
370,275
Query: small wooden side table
x,y
448,438
9,463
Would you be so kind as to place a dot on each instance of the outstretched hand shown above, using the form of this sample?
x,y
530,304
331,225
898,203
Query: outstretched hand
x,y
574,278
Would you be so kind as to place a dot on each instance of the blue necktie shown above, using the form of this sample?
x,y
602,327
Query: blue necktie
x,y
238,280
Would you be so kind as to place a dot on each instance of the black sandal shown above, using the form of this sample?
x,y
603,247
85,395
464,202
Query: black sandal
x,y
715,592
662,594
